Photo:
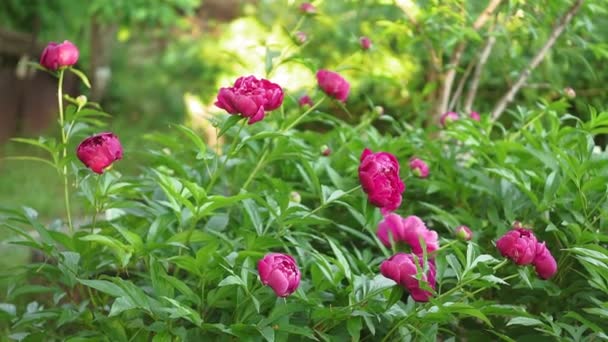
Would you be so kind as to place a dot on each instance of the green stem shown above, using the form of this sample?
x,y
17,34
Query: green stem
x,y
266,150
296,121
95,203
257,166
64,142
221,168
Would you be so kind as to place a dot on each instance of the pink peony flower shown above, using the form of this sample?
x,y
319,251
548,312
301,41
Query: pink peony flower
x,y
59,55
419,167
280,272
365,43
448,117
544,263
333,85
409,230
305,100
519,245
379,177
402,269
464,233
475,116
99,151
308,8
250,98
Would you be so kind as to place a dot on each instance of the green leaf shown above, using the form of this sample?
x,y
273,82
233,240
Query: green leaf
x,y
231,121
195,138
184,312
343,263
231,280
81,75
103,286
526,321
354,327
395,296
121,304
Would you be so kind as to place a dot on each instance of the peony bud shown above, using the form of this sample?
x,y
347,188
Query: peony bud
x,y
333,85
448,117
419,167
409,230
379,177
518,245
475,116
295,197
59,55
99,151
305,100
570,93
403,269
544,263
365,43
308,8
250,98
325,150
280,272
301,37
463,233
379,110
81,101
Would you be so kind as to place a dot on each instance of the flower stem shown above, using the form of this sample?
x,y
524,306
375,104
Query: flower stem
x,y
221,168
296,121
95,204
64,142
266,150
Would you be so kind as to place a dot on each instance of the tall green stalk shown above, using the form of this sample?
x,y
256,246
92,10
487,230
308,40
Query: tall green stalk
x,y
64,143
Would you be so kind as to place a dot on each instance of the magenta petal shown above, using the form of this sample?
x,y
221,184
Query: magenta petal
x,y
278,282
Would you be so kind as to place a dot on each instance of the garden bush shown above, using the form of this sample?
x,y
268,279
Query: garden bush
x,y
315,219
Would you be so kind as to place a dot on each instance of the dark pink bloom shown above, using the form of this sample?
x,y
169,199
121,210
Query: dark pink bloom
x,y
475,116
308,8
333,85
280,272
301,37
379,177
409,230
448,117
365,42
250,98
305,100
544,263
59,55
419,167
464,233
99,151
403,269
519,245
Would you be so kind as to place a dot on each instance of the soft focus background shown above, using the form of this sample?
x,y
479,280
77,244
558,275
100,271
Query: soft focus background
x,y
162,61
157,62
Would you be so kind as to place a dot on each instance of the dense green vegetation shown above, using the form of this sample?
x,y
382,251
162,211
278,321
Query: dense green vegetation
x,y
165,244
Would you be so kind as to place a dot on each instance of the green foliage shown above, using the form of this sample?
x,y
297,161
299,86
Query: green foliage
x,y
169,253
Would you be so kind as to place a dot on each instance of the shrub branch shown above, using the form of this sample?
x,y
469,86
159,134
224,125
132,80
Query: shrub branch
x,y
558,29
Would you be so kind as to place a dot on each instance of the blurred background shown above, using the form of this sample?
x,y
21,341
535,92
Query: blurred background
x,y
155,62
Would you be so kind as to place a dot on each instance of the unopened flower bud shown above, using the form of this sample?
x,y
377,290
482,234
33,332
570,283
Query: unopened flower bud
x,y
295,197
569,92
325,150
464,233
